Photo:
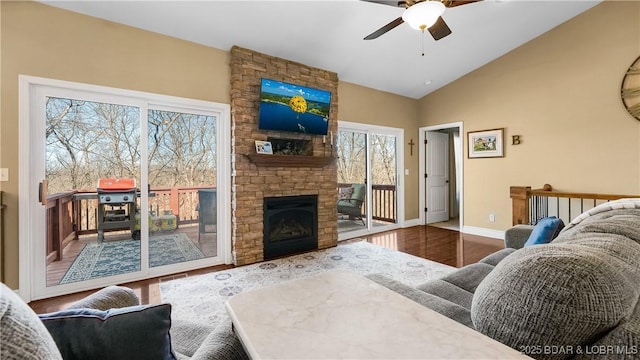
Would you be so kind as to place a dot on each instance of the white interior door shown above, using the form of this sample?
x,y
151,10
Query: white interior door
x,y
437,177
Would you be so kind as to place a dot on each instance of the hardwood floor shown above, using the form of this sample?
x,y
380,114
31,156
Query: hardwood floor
x,y
440,245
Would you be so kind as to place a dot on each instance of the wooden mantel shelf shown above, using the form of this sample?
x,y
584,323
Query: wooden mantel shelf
x,y
290,160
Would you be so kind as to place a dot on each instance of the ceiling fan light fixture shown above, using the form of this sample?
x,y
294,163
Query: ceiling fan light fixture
x,y
423,14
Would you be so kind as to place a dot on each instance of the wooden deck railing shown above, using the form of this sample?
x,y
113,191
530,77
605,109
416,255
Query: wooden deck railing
x,y
2,251
60,229
384,202
529,206
182,202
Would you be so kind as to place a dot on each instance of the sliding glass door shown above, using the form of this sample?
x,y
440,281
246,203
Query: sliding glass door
x,y
352,181
182,187
90,234
131,186
369,160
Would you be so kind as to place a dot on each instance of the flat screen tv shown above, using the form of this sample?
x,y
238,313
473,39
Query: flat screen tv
x,y
295,108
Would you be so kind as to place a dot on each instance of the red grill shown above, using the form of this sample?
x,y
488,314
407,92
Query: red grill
x,y
117,205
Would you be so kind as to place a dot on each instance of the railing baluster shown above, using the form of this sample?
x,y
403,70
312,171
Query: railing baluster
x,y
86,216
535,210
385,200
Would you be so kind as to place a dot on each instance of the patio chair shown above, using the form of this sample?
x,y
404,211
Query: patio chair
x,y
207,210
353,205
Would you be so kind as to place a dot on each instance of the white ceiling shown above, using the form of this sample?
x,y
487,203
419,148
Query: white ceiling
x,y
328,34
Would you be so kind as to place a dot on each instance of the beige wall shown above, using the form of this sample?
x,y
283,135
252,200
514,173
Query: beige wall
x,y
365,105
40,40
561,94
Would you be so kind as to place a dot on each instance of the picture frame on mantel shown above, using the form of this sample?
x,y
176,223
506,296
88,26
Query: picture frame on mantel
x,y
263,147
485,143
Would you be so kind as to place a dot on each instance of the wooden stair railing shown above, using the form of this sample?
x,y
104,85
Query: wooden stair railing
x,y
2,261
529,205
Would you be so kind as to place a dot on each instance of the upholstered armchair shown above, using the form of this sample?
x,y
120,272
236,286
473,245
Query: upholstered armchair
x,y
352,205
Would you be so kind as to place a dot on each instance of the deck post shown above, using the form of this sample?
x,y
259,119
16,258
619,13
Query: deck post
x,y
520,204
174,202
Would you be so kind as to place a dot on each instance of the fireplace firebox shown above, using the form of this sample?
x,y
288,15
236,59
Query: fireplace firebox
x,y
290,225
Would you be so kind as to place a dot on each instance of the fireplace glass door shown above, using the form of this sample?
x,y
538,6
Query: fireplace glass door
x,y
290,225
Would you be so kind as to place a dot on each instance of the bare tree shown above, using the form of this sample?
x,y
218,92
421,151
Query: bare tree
x,y
351,149
383,159
182,149
89,140
352,162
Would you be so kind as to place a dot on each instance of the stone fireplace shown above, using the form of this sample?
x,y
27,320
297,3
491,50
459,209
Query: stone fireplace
x,y
252,183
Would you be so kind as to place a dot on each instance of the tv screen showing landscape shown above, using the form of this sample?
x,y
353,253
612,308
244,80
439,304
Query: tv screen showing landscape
x,y
289,107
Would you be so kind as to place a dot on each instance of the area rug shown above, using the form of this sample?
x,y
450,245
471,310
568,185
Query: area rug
x,y
119,257
201,298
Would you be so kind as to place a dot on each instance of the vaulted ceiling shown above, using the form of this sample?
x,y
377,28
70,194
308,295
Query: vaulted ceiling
x,y
329,34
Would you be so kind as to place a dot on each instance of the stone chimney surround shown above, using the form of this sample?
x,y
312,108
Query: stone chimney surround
x,y
298,175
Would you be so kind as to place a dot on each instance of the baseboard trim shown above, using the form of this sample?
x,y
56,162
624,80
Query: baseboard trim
x,y
496,234
412,222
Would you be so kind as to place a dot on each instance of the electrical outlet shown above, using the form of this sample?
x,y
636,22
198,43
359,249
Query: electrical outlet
x,y
4,174
492,217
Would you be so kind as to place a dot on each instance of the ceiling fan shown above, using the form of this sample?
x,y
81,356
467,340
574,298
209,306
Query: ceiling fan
x,y
420,15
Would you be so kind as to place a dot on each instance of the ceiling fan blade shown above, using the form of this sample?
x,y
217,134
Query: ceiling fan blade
x,y
394,3
384,29
454,3
439,29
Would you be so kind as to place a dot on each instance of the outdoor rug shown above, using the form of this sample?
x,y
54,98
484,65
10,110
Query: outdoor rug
x,y
118,257
201,298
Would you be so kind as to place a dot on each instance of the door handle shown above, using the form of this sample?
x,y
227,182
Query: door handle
x,y
43,188
447,181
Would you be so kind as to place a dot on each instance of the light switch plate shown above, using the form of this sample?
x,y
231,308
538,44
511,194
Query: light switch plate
x,y
4,174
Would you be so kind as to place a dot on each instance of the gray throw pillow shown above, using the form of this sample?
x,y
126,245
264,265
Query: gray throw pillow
x,y
136,332
22,334
567,294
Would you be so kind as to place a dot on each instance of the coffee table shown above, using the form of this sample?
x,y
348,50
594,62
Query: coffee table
x,y
342,315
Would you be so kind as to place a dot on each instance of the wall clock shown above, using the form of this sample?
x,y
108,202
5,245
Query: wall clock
x,y
630,89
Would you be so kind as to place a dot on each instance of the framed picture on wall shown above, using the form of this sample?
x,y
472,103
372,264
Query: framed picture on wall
x,y
486,143
263,147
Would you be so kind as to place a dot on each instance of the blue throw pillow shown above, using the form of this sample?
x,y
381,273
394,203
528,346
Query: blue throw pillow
x,y
136,332
544,231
